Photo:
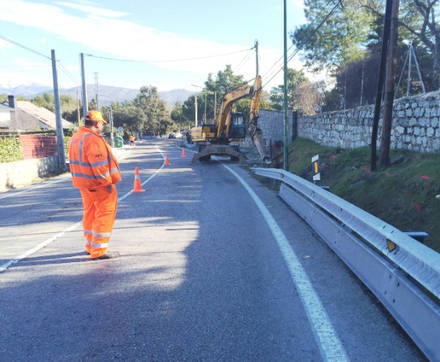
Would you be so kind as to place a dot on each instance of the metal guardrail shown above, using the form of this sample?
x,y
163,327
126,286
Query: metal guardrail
x,y
394,266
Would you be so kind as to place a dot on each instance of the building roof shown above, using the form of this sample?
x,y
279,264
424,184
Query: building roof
x,y
4,107
41,114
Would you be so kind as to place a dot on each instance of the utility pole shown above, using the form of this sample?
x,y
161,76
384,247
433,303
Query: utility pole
x,y
256,56
59,126
408,83
77,108
84,89
285,150
385,37
111,125
96,90
362,81
195,108
204,114
390,76
215,105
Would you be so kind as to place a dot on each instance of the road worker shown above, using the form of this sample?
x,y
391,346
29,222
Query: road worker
x,y
95,171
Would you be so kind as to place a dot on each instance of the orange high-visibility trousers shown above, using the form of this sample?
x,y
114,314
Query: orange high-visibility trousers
x,y
99,216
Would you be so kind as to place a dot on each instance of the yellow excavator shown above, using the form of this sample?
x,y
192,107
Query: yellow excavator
x,y
215,139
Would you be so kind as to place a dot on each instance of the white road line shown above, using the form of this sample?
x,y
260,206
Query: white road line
x,y
6,265
38,247
325,335
148,179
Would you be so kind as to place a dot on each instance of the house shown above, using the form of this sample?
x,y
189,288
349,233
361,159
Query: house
x,y
5,116
26,116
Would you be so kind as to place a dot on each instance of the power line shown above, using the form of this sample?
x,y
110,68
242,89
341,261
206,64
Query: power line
x,y
277,61
67,73
25,47
313,32
167,60
244,60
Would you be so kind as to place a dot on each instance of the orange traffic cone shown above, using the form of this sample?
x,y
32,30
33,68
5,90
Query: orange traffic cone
x,y
183,153
137,182
167,163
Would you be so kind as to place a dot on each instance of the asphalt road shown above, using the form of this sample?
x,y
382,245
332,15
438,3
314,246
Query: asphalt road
x,y
203,275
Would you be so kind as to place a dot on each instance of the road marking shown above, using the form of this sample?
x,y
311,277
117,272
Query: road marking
x,y
6,265
148,179
326,337
38,247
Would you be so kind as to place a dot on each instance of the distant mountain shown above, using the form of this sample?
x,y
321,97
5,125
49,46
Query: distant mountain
x,y
25,90
106,94
175,95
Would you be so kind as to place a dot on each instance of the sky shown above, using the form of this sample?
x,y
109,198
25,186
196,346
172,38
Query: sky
x,y
158,40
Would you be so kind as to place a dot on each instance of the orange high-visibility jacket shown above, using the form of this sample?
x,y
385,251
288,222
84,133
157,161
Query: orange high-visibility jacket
x,y
92,163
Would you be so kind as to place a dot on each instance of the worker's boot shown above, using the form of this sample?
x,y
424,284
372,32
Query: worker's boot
x,y
108,255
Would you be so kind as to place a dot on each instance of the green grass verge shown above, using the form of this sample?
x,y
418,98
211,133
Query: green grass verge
x,y
398,195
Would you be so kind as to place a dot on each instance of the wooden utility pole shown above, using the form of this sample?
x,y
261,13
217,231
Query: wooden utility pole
x,y
58,120
84,86
390,79
256,57
285,149
385,38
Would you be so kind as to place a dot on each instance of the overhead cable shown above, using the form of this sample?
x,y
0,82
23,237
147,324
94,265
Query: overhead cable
x,y
25,47
244,60
313,32
167,60
67,73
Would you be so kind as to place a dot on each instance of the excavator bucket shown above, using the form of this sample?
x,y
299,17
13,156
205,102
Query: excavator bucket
x,y
219,150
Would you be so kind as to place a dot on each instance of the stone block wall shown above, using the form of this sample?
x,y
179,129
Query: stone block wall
x,y
271,124
416,125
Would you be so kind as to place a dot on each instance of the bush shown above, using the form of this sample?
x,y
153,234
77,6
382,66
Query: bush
x,y
10,149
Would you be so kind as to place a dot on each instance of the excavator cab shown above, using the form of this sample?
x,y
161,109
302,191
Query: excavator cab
x,y
237,129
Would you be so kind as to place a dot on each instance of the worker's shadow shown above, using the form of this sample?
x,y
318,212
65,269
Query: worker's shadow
x,y
55,259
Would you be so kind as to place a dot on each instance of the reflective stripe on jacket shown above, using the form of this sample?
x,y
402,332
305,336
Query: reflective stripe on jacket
x,y
92,163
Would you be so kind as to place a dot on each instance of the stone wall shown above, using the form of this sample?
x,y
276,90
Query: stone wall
x,y
415,125
271,124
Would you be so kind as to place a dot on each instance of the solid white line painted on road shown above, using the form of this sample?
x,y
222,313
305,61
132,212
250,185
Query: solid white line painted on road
x,y
38,247
148,179
6,265
325,335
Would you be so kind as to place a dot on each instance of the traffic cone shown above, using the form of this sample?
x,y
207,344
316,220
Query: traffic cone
x,y
137,182
183,153
167,163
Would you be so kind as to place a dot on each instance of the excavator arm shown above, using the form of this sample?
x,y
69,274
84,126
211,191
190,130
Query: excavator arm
x,y
219,143
253,130
224,115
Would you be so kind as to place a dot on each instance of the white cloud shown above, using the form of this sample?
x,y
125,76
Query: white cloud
x,y
89,9
29,64
102,31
